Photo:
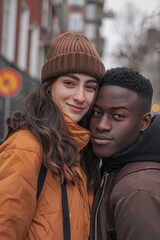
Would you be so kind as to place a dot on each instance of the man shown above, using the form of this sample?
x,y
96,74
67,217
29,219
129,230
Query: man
x,y
123,134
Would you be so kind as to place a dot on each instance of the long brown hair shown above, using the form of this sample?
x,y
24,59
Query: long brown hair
x,y
39,114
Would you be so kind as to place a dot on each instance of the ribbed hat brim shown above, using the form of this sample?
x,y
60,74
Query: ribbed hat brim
x,y
72,63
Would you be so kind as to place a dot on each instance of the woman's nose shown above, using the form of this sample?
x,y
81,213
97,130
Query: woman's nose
x,y
79,95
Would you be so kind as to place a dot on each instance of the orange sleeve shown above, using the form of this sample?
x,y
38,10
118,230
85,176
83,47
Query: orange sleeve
x,y
19,171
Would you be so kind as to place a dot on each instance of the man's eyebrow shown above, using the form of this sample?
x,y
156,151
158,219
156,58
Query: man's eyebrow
x,y
95,105
119,107
112,108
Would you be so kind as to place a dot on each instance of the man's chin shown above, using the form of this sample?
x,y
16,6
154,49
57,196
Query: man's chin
x,y
99,153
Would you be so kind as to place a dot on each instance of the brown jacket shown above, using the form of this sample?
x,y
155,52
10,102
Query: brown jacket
x,y
21,217
135,203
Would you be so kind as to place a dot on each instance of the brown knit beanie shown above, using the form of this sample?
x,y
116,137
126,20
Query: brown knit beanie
x,y
72,53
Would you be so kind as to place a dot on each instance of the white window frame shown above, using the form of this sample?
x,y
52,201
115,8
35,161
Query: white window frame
x,y
76,2
23,37
91,12
75,22
34,51
9,29
90,31
45,13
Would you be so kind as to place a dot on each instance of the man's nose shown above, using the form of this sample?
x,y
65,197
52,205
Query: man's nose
x,y
104,123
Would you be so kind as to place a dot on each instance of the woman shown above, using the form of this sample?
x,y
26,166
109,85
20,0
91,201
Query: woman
x,y
49,129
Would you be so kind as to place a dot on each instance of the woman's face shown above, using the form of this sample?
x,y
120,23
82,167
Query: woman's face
x,y
74,94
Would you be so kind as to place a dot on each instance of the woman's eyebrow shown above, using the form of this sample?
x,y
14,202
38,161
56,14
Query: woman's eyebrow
x,y
72,76
92,81
78,78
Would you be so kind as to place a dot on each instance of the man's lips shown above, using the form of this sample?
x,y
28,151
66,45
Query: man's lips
x,y
101,139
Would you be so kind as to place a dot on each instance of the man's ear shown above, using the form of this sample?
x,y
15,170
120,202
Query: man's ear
x,y
146,120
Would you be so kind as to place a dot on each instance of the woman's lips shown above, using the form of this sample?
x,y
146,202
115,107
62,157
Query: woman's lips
x,y
76,108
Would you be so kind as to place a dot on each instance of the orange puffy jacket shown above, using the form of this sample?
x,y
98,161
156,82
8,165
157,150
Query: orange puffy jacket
x,y
21,216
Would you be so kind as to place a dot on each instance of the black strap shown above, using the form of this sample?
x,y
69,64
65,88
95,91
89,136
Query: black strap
x,y
135,167
65,210
41,179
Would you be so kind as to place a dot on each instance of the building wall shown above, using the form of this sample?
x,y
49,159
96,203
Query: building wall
x,y
151,65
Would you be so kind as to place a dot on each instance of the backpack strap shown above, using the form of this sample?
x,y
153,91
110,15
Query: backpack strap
x,y
41,179
127,169
135,167
65,210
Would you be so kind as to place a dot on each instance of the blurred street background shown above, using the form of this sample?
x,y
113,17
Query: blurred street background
x,y
125,33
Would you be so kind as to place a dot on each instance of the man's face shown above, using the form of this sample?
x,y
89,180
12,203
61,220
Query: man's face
x,y
116,122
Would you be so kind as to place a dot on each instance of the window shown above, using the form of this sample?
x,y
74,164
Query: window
x,y
95,1
45,11
34,50
23,37
76,2
91,12
75,22
9,29
90,31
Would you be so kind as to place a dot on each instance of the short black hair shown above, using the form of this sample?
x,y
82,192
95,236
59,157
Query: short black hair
x,y
128,78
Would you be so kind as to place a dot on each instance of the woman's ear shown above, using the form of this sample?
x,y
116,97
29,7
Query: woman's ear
x,y
146,120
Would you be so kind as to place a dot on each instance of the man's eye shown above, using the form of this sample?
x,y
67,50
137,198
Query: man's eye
x,y
97,113
118,116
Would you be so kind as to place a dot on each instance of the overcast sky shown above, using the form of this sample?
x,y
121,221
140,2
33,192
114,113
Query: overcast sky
x,y
108,31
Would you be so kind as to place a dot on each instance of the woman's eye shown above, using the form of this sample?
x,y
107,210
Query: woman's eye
x,y
91,87
69,83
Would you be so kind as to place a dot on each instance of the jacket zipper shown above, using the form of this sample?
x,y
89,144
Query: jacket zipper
x,y
102,185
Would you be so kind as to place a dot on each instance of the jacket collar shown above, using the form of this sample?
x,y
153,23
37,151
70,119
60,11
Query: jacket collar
x,y
80,135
